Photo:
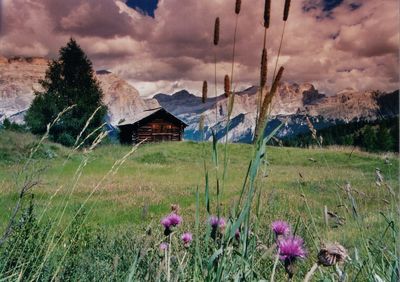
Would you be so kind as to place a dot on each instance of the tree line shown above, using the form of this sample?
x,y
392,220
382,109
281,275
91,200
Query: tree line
x,y
381,135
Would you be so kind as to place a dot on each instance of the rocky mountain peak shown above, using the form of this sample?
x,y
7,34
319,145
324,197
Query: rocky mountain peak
x,y
20,76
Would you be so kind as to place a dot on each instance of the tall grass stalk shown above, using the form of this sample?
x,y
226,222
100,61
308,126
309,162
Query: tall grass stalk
x,y
264,62
228,91
285,18
28,182
58,218
113,170
216,41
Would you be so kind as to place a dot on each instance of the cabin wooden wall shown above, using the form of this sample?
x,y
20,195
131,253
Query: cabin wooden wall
x,y
158,130
160,126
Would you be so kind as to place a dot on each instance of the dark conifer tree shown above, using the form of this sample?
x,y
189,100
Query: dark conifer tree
x,y
69,81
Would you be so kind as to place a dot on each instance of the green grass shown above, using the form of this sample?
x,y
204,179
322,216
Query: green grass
x,y
295,185
160,174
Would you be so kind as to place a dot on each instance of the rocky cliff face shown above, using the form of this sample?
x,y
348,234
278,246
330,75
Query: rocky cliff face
x,y
122,99
19,78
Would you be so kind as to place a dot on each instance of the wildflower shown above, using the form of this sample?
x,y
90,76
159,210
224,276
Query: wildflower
x,y
237,234
290,249
163,246
187,238
280,228
330,254
170,221
217,224
166,222
175,219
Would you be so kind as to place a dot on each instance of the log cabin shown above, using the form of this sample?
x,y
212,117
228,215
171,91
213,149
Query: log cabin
x,y
153,125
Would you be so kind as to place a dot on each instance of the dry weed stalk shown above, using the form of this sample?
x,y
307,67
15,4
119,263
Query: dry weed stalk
x,y
312,129
86,125
266,103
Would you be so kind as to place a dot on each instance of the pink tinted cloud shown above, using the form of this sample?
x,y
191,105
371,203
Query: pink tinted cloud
x,y
334,50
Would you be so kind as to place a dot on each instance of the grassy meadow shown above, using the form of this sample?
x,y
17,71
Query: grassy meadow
x,y
293,184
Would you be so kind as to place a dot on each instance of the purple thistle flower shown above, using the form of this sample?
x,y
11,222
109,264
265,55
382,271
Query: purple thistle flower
x,y
163,246
237,234
166,222
213,220
216,222
187,238
291,248
280,228
169,221
175,219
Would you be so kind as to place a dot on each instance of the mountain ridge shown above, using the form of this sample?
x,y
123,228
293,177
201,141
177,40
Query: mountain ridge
x,y
292,103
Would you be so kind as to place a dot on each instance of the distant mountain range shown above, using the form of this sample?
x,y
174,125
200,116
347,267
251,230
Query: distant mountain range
x,y
292,104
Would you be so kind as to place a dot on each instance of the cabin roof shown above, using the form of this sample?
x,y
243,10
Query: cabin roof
x,y
146,114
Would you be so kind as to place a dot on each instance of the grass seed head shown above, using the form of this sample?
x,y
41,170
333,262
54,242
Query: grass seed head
x,y
286,10
227,86
216,31
267,13
237,6
204,92
263,74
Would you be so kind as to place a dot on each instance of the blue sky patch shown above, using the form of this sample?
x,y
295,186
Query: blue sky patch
x,y
355,6
331,4
145,7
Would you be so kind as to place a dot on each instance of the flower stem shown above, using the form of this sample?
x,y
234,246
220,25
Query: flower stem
x,y
274,268
311,272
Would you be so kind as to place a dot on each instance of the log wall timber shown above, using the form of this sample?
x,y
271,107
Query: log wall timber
x,y
156,127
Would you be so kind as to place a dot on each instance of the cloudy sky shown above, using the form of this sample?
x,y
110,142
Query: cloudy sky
x,y
166,45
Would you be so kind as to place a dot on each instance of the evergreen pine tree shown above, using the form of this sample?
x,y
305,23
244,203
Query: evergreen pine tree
x,y
385,140
68,81
369,139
